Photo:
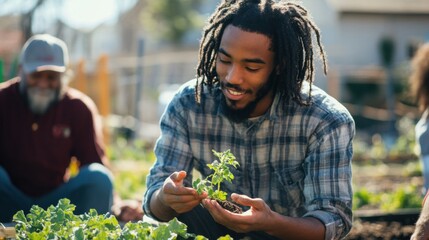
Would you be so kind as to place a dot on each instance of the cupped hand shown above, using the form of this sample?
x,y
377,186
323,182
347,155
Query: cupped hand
x,y
128,210
178,197
257,218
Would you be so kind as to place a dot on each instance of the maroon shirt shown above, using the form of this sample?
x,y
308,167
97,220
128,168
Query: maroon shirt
x,y
36,150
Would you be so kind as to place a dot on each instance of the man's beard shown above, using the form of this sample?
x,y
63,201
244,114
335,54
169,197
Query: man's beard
x,y
39,100
239,115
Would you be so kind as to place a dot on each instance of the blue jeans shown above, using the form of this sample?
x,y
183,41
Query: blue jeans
x,y
91,188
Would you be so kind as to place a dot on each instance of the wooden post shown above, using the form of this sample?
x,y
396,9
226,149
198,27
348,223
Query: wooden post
x,y
103,83
80,79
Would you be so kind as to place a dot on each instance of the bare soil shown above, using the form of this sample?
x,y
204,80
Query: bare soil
x,y
380,230
230,206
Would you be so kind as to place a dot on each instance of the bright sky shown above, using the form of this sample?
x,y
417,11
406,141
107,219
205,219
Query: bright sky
x,y
83,14
89,13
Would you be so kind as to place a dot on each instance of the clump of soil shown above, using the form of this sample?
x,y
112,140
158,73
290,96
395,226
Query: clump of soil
x,y
230,206
380,230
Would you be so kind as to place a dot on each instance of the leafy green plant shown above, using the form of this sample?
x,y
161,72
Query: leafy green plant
x,y
361,198
130,162
403,197
59,222
123,149
211,184
130,184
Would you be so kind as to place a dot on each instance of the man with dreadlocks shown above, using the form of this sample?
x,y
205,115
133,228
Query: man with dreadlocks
x,y
254,95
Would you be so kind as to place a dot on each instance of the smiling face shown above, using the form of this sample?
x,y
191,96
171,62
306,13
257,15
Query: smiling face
x,y
244,66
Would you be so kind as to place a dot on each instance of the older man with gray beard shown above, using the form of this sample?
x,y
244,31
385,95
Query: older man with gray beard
x,y
44,124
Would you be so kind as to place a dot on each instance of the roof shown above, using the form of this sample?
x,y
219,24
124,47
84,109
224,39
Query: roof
x,y
418,7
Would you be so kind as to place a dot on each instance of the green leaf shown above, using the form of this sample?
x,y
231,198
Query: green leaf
x,y
177,227
200,237
226,237
78,234
161,232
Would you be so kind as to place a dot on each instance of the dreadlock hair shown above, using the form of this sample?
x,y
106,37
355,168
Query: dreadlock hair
x,y
287,24
419,78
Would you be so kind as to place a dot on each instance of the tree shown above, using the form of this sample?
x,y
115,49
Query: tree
x,y
27,20
172,19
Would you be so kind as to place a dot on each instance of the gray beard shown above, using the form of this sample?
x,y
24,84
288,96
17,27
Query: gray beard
x,y
39,100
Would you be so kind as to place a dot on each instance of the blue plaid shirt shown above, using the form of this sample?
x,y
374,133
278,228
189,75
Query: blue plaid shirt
x,y
296,158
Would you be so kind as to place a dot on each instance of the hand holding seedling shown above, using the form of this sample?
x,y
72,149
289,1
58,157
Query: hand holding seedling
x,y
178,197
211,184
258,218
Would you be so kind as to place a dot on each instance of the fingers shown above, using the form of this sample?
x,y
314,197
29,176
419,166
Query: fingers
x,y
182,196
178,176
177,184
178,197
242,199
223,216
177,188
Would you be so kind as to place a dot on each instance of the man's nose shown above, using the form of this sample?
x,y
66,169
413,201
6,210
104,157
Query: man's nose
x,y
234,75
43,82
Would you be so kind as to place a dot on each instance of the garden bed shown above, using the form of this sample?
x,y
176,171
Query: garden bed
x,y
376,224
363,230
385,181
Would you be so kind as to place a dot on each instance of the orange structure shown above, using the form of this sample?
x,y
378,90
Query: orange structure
x,y
103,83
80,78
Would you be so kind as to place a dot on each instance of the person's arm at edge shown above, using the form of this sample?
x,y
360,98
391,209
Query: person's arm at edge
x,y
170,123
422,225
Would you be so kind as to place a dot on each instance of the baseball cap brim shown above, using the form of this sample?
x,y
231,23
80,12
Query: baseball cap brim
x,y
38,68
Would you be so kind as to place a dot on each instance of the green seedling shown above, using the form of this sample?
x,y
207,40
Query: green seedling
x,y
211,184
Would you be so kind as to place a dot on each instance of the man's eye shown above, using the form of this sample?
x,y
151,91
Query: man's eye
x,y
250,69
223,60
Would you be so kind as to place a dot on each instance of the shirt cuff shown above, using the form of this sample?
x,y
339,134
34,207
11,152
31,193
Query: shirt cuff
x,y
333,231
146,203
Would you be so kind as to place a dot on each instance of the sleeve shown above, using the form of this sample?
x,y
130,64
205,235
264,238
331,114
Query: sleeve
x,y
422,134
172,151
425,198
88,146
328,188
